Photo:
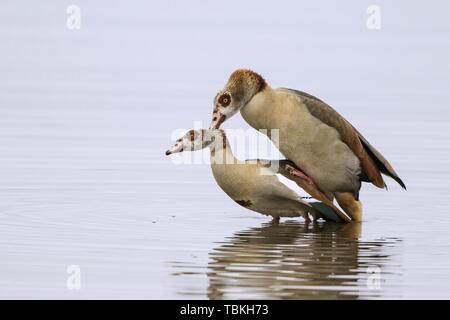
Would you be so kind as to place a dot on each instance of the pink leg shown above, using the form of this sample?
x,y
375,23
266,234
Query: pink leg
x,y
307,219
301,175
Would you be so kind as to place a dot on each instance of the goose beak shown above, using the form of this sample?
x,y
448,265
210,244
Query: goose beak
x,y
215,123
178,147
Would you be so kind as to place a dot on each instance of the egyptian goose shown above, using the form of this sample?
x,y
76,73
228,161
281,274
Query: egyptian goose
x,y
314,136
254,184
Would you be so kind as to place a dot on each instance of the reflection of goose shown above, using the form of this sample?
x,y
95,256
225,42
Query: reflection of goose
x,y
294,261
312,134
254,184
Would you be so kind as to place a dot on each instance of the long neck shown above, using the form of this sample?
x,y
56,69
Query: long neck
x,y
220,149
259,109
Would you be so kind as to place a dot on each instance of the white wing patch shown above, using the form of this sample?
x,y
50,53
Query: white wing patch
x,y
292,185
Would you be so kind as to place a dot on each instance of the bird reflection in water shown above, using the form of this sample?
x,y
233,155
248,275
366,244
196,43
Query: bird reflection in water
x,y
297,261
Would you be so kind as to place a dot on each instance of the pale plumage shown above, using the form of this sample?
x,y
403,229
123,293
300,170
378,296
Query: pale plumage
x,y
254,184
311,134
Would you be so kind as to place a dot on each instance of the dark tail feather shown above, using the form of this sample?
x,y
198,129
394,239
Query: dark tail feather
x,y
400,182
382,164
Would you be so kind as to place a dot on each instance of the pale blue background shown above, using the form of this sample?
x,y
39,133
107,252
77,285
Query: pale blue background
x,y
86,115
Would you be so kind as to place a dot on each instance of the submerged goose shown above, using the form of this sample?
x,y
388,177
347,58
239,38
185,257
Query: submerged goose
x,y
321,142
254,184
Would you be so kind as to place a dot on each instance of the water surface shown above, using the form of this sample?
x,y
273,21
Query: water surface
x,y
85,118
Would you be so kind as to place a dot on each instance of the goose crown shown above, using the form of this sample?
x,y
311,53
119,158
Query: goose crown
x,y
244,84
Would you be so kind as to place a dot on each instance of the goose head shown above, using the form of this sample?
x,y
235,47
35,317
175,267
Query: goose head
x,y
242,85
195,140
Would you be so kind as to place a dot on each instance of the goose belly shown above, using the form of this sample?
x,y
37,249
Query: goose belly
x,y
280,208
236,180
264,194
320,153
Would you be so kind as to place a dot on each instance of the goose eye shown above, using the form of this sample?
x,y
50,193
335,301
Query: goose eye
x,y
225,100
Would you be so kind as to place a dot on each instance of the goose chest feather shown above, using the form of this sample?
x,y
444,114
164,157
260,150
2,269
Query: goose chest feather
x,y
243,181
236,180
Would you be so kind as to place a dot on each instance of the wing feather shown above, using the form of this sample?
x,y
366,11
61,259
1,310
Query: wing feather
x,y
372,161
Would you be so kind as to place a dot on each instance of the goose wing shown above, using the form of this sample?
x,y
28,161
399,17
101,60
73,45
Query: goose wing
x,y
372,161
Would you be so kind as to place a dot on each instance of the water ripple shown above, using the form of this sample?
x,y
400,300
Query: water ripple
x,y
295,261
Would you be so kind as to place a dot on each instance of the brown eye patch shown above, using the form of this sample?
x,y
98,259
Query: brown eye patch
x,y
192,135
225,100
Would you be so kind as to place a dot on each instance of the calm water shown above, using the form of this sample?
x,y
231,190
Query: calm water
x,y
86,115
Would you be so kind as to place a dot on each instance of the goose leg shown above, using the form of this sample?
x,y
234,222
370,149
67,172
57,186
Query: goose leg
x,y
348,202
307,219
315,215
298,173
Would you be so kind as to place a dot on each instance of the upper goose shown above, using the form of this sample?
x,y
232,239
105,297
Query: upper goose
x,y
311,134
254,184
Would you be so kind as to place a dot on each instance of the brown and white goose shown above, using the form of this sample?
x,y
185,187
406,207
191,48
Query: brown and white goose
x,y
254,184
314,136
